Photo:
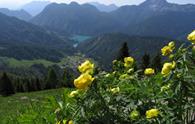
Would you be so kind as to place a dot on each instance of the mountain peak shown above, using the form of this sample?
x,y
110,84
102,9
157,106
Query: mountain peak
x,y
154,4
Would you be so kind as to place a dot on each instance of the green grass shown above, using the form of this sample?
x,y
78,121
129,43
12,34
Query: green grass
x,y
10,106
11,62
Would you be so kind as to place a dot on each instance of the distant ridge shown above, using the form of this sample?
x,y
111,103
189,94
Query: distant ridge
x,y
22,40
35,7
103,7
151,18
20,14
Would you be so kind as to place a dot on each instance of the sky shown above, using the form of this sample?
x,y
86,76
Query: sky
x,y
14,4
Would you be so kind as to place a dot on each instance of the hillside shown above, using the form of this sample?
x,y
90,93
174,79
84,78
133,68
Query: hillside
x,y
104,48
22,40
35,7
74,19
20,14
85,19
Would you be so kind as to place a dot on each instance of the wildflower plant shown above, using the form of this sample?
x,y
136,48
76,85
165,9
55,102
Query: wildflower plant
x,y
123,96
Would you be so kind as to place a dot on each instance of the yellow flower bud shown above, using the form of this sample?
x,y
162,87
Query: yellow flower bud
x,y
149,71
73,93
152,113
128,62
70,122
83,81
191,37
172,45
134,115
64,121
115,90
86,67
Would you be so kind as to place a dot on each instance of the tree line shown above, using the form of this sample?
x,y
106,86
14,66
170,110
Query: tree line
x,y
10,84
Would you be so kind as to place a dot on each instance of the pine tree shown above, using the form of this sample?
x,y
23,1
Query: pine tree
x,y
68,77
123,52
7,86
157,63
38,84
51,81
145,61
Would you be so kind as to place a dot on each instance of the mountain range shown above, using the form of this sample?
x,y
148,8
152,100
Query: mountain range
x,y
22,40
20,14
151,18
103,7
35,7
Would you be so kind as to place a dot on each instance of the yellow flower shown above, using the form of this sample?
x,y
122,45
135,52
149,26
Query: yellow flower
x,y
83,81
149,71
191,37
70,122
73,93
128,61
172,45
152,113
134,115
166,50
115,90
86,67
167,67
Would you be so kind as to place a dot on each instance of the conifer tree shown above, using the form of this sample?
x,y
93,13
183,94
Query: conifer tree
x,y
145,61
51,81
7,86
157,63
68,77
123,52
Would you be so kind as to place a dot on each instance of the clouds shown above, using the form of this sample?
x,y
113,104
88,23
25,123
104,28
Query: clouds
x,y
14,4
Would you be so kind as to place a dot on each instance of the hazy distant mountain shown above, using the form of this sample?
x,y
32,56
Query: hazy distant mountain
x,y
35,7
75,19
151,18
20,14
103,7
104,48
22,40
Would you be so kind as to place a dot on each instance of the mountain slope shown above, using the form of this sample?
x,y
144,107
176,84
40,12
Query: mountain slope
x,y
103,7
20,14
134,20
23,40
75,19
104,48
35,7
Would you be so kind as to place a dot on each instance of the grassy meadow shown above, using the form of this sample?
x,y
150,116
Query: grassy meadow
x,y
12,105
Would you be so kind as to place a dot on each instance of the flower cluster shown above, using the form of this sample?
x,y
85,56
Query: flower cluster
x,y
167,50
85,79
